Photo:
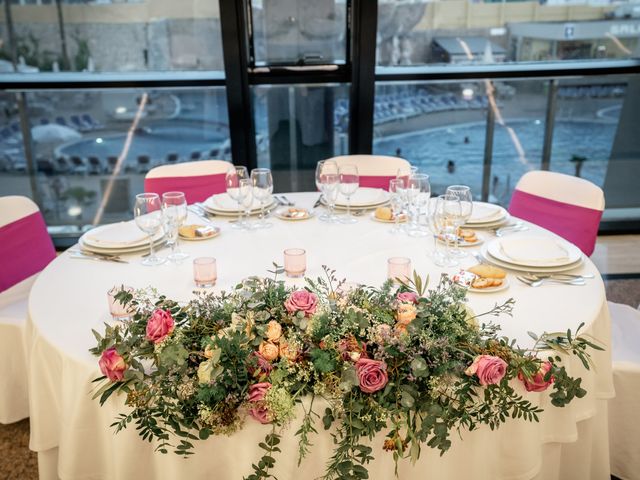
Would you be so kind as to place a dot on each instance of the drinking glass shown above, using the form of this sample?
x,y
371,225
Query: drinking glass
x,y
246,195
148,214
463,193
232,180
262,190
330,187
439,257
446,218
324,168
396,189
295,262
118,311
419,191
398,268
349,183
174,213
205,272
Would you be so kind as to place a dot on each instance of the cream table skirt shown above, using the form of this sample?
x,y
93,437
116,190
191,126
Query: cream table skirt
x,y
71,432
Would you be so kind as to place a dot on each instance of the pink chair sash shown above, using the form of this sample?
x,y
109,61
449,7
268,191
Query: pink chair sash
x,y
579,225
196,188
375,181
26,249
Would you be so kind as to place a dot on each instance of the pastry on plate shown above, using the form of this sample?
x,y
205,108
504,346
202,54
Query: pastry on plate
x,y
467,235
488,276
384,213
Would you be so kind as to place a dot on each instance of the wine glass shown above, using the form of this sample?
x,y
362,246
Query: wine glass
x,y
349,183
262,190
396,189
232,180
463,193
449,218
174,214
323,168
148,214
418,190
246,195
330,187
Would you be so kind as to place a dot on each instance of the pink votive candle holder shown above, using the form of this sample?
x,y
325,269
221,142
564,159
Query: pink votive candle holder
x,y
119,311
295,262
398,268
205,272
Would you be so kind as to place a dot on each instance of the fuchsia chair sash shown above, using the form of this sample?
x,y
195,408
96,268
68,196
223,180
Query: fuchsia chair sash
x,y
375,181
196,188
574,223
26,249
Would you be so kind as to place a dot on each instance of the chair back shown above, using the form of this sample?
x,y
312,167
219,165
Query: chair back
x,y
568,206
375,171
198,180
26,245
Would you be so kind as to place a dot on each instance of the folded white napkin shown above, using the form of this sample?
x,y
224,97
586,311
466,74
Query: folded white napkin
x,y
534,250
117,235
223,202
484,212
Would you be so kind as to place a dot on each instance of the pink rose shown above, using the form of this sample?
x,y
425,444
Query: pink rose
x,y
259,365
112,365
257,392
489,369
537,383
372,375
407,297
160,325
302,301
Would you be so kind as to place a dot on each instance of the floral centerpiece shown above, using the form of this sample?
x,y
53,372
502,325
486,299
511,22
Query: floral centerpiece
x,y
413,363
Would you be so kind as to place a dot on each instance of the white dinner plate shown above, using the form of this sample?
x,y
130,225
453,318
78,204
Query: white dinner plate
x,y
117,236
402,219
222,204
499,288
284,214
520,268
463,243
364,197
560,252
118,251
484,213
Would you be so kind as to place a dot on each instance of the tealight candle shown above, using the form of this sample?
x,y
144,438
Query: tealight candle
x,y
119,311
205,272
398,268
295,262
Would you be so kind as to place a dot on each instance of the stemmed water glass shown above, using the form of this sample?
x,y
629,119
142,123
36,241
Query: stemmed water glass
x,y
349,183
444,215
232,180
148,214
246,200
324,168
330,187
174,214
463,193
418,190
262,190
396,189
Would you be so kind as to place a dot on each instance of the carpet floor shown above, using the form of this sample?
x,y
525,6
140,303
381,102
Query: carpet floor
x,y
17,462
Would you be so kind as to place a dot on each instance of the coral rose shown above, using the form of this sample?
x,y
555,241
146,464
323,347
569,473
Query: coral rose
x,y
269,351
160,325
274,331
302,301
372,375
257,393
405,313
407,297
537,382
112,365
288,352
489,369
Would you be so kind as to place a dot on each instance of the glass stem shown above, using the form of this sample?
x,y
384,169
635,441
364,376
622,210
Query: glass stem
x,y
239,211
262,212
151,252
349,207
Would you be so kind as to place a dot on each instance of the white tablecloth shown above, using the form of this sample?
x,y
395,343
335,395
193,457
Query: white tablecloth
x,y
71,432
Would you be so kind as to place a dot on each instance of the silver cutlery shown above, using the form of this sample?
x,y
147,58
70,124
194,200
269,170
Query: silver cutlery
x,y
479,258
318,202
543,281
199,212
287,201
516,227
81,256
94,254
205,213
561,276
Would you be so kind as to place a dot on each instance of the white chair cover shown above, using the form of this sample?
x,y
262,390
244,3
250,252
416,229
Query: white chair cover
x,y
562,188
624,422
375,171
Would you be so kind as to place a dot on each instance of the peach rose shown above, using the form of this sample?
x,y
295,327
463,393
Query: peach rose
x,y
288,352
302,301
537,382
489,369
405,313
274,331
269,351
160,325
112,365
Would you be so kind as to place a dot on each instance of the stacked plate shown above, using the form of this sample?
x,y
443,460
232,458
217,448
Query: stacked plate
x,y
117,238
364,198
223,205
487,215
533,253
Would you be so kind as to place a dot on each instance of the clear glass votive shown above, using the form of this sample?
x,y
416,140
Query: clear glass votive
x,y
295,262
399,268
119,311
205,272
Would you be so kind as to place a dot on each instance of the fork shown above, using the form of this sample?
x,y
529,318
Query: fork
x,y
286,201
542,281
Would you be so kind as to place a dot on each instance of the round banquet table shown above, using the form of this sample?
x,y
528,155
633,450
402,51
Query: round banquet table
x,y
72,433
